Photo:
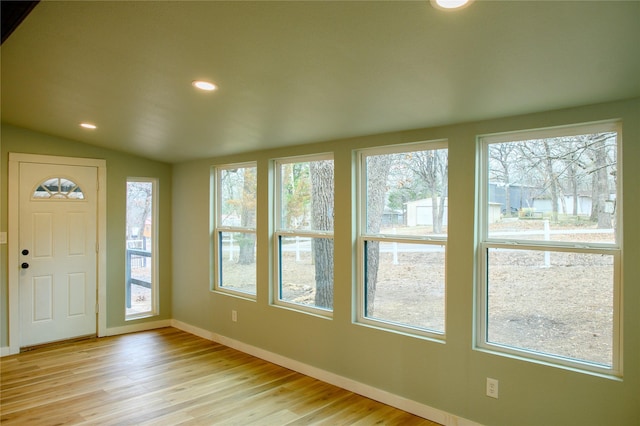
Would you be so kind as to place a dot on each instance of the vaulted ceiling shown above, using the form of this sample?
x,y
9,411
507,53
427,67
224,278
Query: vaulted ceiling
x,y
304,71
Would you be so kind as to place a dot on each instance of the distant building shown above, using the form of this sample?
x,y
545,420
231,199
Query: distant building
x,y
420,212
520,196
566,207
392,217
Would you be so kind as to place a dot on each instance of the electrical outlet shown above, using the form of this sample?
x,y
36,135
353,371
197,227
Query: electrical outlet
x,y
234,316
492,388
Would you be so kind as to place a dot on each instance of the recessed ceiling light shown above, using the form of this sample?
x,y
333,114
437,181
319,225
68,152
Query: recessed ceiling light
x,y
450,4
204,85
88,126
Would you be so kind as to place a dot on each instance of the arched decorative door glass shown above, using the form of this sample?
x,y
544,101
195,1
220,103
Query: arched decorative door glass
x,y
58,188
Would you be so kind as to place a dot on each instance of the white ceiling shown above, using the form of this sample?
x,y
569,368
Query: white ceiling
x,y
298,72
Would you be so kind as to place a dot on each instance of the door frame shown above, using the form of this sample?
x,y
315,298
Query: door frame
x,y
13,238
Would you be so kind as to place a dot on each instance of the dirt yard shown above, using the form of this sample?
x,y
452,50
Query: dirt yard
x,y
560,304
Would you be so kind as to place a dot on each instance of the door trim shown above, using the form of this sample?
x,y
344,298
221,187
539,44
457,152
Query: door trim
x,y
13,242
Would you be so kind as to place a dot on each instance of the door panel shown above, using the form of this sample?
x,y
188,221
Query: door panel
x,y
58,228
42,235
77,294
42,298
76,234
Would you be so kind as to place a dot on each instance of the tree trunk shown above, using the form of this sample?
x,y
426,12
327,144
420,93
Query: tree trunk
x,y
441,210
435,216
553,181
377,173
443,167
322,204
247,244
323,256
507,197
574,188
594,197
371,280
602,184
246,241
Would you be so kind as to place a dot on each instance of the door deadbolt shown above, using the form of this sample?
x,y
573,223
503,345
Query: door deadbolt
x,y
25,252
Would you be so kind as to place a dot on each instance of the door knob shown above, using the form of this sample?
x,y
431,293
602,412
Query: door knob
x,y
25,265
25,252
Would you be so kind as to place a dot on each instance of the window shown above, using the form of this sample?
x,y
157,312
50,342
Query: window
x,y
304,233
58,188
549,279
141,249
234,234
402,241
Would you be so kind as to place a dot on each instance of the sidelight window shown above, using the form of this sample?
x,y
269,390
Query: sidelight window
x,y
141,248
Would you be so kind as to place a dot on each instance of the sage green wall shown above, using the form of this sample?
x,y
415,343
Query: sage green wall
x,y
119,167
449,376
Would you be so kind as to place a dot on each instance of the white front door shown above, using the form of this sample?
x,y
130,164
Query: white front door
x,y
57,252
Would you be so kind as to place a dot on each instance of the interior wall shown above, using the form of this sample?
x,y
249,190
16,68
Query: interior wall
x,y
448,376
120,166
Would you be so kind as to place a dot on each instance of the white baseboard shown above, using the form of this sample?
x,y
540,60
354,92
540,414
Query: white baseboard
x,y
133,328
379,395
376,394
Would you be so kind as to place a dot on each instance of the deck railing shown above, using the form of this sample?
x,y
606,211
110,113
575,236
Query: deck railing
x,y
134,255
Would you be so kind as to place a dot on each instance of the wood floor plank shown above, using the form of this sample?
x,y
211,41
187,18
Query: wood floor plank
x,y
169,377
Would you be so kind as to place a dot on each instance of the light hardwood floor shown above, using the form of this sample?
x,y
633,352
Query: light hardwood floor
x,y
169,377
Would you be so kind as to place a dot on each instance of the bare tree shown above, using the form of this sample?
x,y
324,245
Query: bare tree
x,y
502,159
138,206
296,193
557,167
247,241
432,167
600,197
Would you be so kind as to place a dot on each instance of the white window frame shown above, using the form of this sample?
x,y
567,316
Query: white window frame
x,y
280,231
363,236
217,229
485,243
154,248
